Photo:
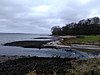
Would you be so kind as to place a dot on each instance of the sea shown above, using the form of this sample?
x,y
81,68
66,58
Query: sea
x,y
45,52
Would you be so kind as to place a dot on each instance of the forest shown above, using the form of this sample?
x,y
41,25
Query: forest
x,y
90,26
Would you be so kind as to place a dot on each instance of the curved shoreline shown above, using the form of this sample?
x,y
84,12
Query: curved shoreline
x,y
50,44
56,44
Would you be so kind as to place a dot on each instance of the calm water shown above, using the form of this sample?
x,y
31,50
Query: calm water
x,y
10,37
8,50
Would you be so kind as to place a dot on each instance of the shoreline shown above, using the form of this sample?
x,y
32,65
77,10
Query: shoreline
x,y
50,44
49,66
4,58
54,42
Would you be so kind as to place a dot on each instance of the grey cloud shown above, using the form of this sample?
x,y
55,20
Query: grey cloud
x,y
20,16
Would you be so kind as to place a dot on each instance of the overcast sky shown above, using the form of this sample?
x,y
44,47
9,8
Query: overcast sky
x,y
38,16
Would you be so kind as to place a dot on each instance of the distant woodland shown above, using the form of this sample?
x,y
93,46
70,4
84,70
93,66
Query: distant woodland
x,y
90,26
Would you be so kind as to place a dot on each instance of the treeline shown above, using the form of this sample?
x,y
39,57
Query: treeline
x,y
89,26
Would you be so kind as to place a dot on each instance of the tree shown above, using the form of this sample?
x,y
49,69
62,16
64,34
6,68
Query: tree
x,y
56,30
89,26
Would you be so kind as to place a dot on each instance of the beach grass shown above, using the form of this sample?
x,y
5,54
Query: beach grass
x,y
86,67
80,67
83,39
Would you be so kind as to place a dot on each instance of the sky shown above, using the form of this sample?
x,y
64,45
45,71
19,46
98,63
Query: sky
x,y
39,16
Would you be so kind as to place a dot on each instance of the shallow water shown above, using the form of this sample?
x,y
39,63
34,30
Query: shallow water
x,y
8,50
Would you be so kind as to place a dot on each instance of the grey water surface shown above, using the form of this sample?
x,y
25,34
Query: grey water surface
x,y
48,52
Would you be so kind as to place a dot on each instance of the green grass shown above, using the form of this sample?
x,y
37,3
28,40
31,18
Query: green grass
x,y
89,39
83,40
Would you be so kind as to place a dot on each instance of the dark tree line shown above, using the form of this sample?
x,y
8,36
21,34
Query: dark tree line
x,y
89,26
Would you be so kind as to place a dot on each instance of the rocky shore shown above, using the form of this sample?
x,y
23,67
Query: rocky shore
x,y
4,58
50,66
55,42
27,44
41,65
